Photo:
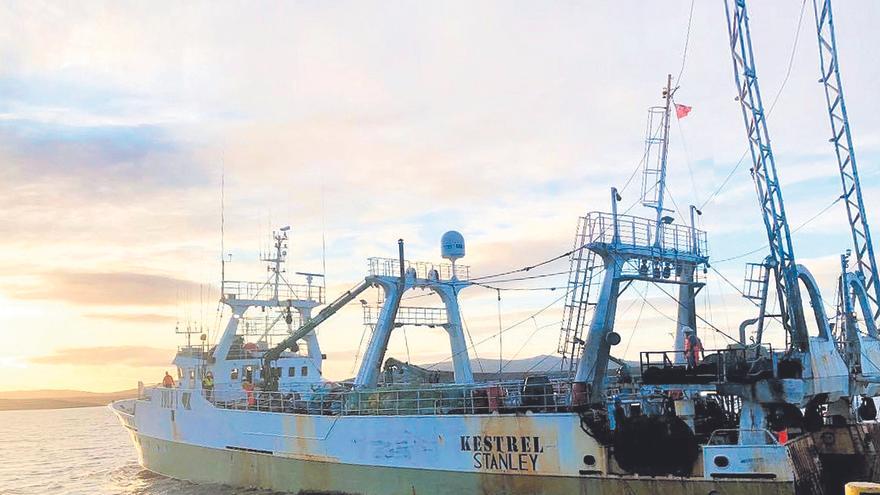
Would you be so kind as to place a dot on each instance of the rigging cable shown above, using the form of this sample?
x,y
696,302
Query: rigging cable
x,y
546,356
500,331
406,343
793,231
794,45
569,253
511,327
636,325
471,340
687,159
555,258
687,39
551,288
517,279
707,322
523,346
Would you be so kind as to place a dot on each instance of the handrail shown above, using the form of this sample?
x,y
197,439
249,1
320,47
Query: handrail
x,y
483,398
641,232
390,267
723,358
265,291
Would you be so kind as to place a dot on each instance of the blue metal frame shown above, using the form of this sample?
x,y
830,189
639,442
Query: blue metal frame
x,y
765,175
866,264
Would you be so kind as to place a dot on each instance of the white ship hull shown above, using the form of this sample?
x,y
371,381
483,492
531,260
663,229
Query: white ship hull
x,y
188,438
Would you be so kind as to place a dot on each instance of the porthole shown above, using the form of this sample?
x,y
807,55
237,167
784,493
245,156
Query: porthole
x,y
721,461
589,460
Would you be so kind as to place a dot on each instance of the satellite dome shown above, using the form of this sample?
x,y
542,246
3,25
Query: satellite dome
x,y
452,245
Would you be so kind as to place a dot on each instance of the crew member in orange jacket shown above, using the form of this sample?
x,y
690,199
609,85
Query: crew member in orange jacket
x,y
167,382
249,391
693,347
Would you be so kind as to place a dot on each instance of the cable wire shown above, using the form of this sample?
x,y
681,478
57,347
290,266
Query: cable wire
x,y
511,327
793,231
772,105
687,39
517,279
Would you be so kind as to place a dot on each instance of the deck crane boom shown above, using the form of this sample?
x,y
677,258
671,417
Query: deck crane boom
x,y
307,327
765,176
841,138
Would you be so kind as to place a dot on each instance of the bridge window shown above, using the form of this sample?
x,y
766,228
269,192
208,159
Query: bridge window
x,y
291,371
192,374
304,371
249,373
234,374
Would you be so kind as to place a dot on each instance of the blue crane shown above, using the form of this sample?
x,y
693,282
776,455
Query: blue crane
x,y
782,260
841,138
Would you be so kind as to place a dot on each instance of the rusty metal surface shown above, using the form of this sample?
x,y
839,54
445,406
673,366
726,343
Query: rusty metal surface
x,y
249,469
871,438
824,460
807,467
857,439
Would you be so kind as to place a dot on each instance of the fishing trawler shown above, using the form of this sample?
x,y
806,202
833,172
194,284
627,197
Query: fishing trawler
x,y
744,419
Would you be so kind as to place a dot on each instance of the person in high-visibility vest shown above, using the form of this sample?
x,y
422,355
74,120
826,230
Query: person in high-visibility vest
x,y
693,347
208,385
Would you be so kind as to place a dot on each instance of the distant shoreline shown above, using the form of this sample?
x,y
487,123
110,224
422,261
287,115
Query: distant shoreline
x,y
60,400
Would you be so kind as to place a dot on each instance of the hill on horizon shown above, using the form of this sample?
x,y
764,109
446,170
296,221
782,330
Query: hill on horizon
x,y
50,393
542,363
536,364
59,399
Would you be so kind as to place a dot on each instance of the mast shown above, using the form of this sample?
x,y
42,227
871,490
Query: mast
x,y
664,152
654,177
222,229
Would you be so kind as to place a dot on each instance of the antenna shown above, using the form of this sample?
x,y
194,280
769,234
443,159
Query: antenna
x,y
222,225
323,233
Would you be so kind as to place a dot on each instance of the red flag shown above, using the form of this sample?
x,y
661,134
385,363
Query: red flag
x,y
681,111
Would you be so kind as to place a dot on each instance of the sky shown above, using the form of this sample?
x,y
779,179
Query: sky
x,y
358,123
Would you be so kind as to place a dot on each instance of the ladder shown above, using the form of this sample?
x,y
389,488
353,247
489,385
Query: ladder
x,y
583,277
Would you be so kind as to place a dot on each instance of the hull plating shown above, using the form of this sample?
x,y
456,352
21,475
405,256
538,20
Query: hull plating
x,y
385,455
252,469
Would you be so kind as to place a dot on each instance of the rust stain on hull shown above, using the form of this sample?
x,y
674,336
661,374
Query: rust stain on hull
x,y
248,469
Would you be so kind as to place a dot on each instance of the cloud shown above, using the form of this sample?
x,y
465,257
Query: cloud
x,y
132,317
109,289
114,117
106,158
110,355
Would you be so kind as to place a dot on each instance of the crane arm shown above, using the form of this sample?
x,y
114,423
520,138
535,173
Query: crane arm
x,y
841,138
764,174
275,352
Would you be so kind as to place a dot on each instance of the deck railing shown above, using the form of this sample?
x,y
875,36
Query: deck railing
x,y
642,232
483,398
265,291
409,315
390,267
713,365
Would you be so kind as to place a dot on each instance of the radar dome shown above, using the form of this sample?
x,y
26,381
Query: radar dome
x,y
452,245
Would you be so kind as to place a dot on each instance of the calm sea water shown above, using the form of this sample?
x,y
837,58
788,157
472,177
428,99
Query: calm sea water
x,y
80,451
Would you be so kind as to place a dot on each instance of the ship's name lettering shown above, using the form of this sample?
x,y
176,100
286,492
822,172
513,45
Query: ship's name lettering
x,y
503,452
